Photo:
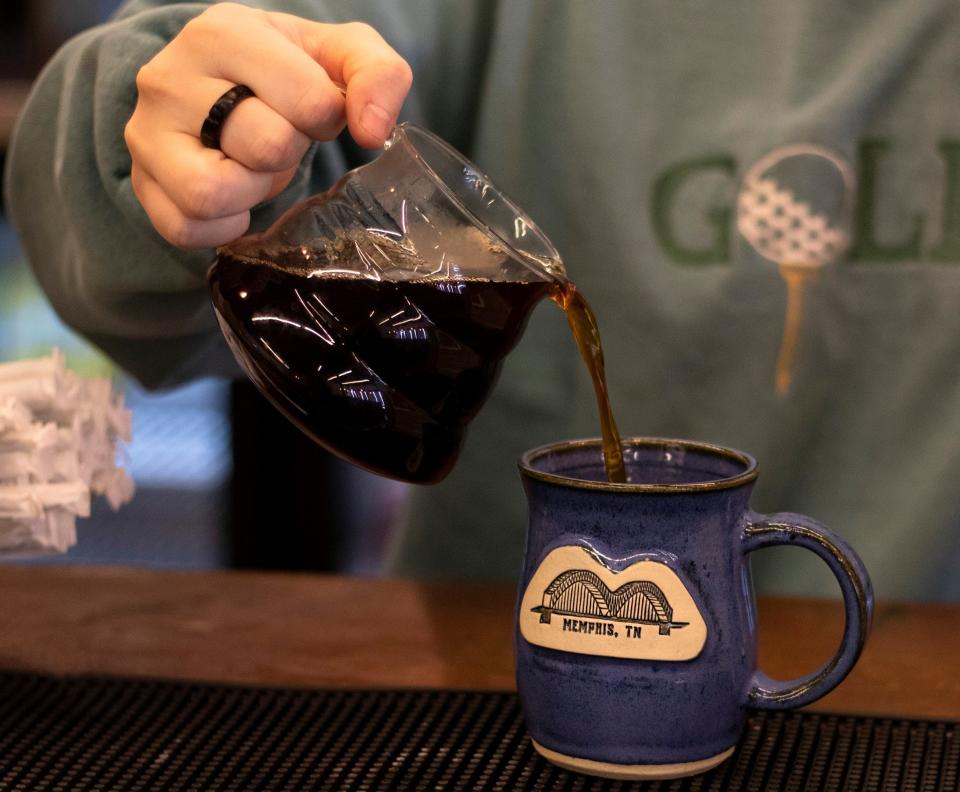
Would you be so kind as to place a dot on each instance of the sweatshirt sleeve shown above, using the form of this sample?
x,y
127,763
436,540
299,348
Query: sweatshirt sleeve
x,y
103,267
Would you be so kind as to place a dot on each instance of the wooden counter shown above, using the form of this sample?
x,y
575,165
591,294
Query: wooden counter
x,y
315,631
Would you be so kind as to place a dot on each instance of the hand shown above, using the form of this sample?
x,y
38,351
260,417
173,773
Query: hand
x,y
198,197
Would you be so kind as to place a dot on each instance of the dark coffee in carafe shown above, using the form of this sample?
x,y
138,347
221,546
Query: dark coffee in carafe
x,y
387,374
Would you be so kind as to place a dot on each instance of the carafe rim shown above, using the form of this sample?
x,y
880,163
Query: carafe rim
x,y
400,135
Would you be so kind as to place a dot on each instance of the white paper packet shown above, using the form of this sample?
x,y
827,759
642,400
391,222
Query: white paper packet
x,y
60,435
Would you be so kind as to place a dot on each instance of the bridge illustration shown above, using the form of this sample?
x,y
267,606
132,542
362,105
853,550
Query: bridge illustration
x,y
580,592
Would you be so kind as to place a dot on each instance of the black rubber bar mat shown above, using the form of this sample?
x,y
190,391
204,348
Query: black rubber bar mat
x,y
83,733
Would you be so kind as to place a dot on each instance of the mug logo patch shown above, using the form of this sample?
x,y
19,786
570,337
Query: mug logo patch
x,y
576,604
579,592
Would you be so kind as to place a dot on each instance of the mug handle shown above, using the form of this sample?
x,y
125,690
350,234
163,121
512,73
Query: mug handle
x,y
797,530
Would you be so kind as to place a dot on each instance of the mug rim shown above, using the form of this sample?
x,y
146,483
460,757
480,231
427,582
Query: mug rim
x,y
747,475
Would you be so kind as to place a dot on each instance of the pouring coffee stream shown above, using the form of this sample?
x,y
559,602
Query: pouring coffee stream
x,y
376,316
586,333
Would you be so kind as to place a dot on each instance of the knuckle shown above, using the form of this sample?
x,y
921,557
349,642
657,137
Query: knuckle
x,y
211,25
398,72
362,29
198,25
217,14
318,111
180,231
158,81
207,24
149,79
204,197
130,134
259,15
137,139
276,150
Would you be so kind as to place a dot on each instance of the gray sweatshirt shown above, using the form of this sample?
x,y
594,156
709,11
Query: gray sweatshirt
x,y
625,129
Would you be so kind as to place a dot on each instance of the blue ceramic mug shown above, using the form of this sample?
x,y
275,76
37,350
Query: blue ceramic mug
x,y
636,627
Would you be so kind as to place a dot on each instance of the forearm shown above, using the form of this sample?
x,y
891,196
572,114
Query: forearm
x,y
98,257
102,265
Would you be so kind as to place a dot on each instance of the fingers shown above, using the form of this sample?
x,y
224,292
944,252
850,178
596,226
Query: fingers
x,y
174,226
198,197
261,139
252,134
375,94
203,183
377,79
194,220
252,51
294,66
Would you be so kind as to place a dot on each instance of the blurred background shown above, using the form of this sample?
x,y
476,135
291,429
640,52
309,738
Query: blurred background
x,y
207,496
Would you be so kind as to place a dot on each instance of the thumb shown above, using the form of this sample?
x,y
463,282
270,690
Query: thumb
x,y
376,78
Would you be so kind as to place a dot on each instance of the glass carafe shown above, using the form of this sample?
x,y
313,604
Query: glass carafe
x,y
376,315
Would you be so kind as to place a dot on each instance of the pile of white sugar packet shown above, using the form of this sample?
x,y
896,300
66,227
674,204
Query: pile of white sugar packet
x,y
59,439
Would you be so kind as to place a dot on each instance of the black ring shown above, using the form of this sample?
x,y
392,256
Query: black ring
x,y
213,124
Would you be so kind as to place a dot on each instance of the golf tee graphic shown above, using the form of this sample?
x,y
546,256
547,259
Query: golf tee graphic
x,y
795,207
